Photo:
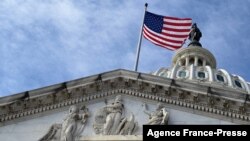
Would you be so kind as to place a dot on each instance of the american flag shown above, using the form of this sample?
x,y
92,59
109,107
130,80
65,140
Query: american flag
x,y
167,32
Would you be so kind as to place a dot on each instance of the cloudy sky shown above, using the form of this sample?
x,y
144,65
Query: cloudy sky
x,y
45,42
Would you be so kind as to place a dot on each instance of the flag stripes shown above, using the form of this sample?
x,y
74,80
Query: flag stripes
x,y
167,32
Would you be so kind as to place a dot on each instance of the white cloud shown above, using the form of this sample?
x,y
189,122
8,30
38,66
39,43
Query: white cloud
x,y
47,42
61,40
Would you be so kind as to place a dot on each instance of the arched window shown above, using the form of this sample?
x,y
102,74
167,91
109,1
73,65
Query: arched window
x,y
161,74
199,62
220,78
182,62
237,83
191,61
164,73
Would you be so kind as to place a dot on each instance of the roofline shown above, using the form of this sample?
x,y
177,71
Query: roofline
x,y
91,79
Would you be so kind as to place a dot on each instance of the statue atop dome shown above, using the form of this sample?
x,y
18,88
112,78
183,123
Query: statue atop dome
x,y
195,35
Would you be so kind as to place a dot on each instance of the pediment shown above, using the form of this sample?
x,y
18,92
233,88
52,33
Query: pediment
x,y
48,127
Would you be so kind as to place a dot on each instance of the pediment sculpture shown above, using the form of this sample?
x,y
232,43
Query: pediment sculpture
x,y
159,116
71,127
111,120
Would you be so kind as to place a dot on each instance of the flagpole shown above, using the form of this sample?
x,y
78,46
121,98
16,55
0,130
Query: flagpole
x,y
139,42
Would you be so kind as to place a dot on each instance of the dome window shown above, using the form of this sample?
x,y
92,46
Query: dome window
x,y
201,75
161,74
237,83
220,78
182,74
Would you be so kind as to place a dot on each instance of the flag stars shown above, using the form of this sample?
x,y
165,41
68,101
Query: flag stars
x,y
154,22
171,36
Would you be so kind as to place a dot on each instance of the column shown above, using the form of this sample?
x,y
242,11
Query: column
x,y
187,61
178,62
204,63
196,61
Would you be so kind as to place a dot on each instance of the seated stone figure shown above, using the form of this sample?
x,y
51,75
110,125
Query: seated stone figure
x,y
111,120
157,117
114,115
71,128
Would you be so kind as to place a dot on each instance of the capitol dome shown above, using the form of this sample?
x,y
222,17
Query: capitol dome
x,y
198,65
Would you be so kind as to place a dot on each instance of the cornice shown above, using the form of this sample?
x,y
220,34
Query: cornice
x,y
184,96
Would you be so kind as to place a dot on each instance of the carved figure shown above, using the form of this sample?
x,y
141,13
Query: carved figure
x,y
195,33
110,120
114,115
157,117
71,128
